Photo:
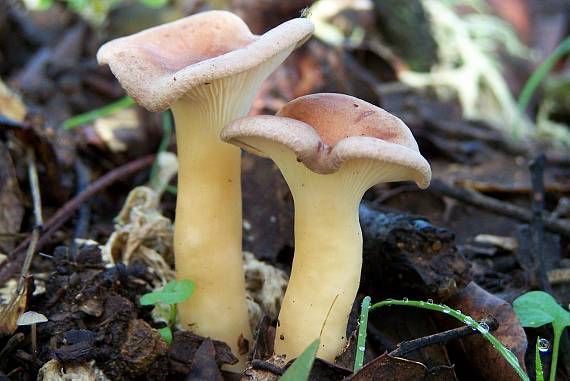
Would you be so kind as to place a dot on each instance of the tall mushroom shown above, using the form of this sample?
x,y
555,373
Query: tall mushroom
x,y
330,148
207,69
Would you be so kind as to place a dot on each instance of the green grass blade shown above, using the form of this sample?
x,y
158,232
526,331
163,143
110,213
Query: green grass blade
x,y
301,367
361,342
538,362
90,116
540,73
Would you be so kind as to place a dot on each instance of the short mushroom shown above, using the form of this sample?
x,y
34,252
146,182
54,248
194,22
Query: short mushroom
x,y
330,149
32,318
207,69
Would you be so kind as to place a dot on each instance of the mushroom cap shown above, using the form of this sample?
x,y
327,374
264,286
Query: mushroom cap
x,y
326,130
30,318
159,65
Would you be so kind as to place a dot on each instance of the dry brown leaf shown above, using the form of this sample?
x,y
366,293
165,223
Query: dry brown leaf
x,y
478,303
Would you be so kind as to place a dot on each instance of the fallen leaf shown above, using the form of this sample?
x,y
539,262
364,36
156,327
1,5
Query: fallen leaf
x,y
11,105
204,366
478,303
11,208
386,367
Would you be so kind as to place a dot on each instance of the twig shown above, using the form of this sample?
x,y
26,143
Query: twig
x,y
8,268
37,202
499,207
442,337
537,223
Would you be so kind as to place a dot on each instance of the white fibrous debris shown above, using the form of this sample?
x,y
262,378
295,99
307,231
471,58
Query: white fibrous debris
x,y
265,287
54,371
143,234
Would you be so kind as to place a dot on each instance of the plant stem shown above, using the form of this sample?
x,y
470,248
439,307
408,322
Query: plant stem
x,y
507,354
540,73
361,342
557,334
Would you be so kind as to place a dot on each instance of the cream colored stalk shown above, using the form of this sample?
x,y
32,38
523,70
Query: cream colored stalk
x,y
330,148
207,68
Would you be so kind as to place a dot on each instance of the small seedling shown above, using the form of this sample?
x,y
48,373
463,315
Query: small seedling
x,y
537,308
173,293
481,327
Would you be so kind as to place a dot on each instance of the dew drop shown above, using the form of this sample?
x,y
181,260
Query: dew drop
x,y
511,357
458,311
543,345
361,349
446,310
405,300
468,320
430,301
483,327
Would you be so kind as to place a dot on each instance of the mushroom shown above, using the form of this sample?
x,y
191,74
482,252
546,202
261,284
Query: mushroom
x,y
207,69
32,318
330,149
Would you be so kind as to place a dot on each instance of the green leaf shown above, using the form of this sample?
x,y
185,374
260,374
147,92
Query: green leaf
x,y
537,308
166,334
174,292
301,367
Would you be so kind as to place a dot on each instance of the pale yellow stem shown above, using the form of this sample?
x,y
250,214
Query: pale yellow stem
x,y
327,262
208,231
208,225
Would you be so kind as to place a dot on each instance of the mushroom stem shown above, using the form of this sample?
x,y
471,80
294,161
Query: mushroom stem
x,y
208,226
327,262
208,230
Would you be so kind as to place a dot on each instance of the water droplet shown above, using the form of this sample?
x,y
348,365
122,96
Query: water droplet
x,y
361,349
430,301
458,311
543,345
446,310
468,320
421,303
483,327
405,300
511,357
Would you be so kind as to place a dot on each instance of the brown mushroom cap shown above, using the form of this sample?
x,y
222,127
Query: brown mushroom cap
x,y
159,65
326,130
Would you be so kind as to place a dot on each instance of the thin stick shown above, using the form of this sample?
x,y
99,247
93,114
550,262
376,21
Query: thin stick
x,y
37,202
537,223
406,347
8,268
499,207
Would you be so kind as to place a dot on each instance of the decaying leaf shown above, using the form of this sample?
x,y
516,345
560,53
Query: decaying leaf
x,y
11,208
204,366
110,128
11,105
14,304
478,303
386,367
